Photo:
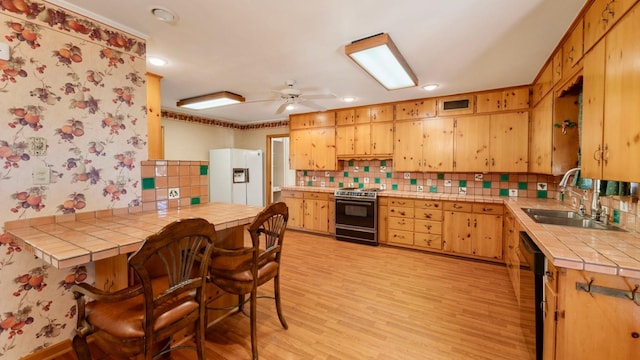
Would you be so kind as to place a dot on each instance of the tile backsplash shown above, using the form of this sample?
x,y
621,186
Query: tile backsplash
x,y
171,184
623,211
380,174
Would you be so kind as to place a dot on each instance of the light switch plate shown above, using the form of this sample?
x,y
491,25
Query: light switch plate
x,y
5,51
41,175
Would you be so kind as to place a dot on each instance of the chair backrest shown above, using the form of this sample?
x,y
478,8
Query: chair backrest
x,y
267,232
176,253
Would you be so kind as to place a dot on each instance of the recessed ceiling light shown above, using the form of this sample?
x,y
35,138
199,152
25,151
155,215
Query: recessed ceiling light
x,y
164,14
157,61
430,87
348,99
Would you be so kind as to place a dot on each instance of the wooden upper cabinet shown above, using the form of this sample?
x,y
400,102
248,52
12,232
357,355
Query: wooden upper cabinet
x,y
345,117
508,145
540,141
381,113
472,143
382,138
572,50
362,115
316,119
511,99
416,109
543,84
600,17
557,67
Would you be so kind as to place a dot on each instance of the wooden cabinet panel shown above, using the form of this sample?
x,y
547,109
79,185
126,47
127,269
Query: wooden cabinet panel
x,y
508,145
400,223
489,209
540,142
383,220
428,204
621,105
572,51
457,232
437,149
401,237
401,211
381,138
486,235
345,140
296,212
543,84
313,149
380,113
310,211
316,119
472,134
549,314
601,17
557,66
457,206
362,139
345,117
429,241
611,89
428,227
408,146
428,214
416,109
510,99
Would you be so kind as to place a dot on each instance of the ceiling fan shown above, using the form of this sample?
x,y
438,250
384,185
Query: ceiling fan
x,y
290,96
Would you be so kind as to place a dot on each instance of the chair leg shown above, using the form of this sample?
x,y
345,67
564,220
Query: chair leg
x,y
81,348
276,285
253,321
200,329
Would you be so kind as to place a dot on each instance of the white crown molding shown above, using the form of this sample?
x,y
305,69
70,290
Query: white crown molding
x,y
102,19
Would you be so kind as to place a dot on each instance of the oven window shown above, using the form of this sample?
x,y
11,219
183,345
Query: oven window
x,y
355,210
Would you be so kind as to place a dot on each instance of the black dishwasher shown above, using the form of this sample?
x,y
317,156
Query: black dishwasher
x,y
531,295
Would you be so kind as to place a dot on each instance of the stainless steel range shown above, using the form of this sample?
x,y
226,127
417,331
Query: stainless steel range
x,y
356,215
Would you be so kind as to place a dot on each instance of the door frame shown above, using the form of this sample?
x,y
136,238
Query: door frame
x,y
269,165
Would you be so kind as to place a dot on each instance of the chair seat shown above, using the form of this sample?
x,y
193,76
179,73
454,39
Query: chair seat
x,y
124,319
241,282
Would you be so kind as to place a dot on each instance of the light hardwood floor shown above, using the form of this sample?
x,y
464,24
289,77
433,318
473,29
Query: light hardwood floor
x,y
350,301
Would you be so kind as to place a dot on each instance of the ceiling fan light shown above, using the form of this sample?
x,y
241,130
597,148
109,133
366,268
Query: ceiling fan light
x,y
290,107
221,98
379,57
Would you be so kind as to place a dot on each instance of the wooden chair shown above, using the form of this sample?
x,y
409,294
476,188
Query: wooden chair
x,y
241,271
140,319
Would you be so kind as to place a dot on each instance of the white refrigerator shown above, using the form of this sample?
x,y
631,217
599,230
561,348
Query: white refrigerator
x,y
236,176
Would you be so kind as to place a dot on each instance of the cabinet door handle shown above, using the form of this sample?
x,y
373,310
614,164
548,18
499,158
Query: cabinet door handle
x,y
493,162
605,154
475,223
456,206
468,222
549,275
597,155
487,209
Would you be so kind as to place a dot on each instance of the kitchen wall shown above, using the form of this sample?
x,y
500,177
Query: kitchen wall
x,y
72,137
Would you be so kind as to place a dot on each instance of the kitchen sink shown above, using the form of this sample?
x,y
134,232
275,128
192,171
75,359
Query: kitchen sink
x,y
567,218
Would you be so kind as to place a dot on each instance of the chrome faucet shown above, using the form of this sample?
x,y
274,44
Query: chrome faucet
x,y
596,207
565,178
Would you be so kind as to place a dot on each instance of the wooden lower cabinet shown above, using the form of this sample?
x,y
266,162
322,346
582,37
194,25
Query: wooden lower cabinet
x,y
309,211
468,229
511,240
593,325
383,219
473,229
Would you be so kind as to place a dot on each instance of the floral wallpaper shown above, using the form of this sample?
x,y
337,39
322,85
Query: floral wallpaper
x,y
73,132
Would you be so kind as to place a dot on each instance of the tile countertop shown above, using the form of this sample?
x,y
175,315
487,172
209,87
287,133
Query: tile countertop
x,y
601,251
74,239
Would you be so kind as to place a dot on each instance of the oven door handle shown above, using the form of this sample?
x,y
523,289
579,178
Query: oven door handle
x,y
347,202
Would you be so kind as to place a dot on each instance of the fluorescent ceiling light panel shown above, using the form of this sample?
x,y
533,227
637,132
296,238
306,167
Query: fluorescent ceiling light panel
x,y
210,101
379,57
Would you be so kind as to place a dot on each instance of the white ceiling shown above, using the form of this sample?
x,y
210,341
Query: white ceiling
x,y
251,47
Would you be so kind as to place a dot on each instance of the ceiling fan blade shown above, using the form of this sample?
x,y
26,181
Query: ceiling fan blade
x,y
311,105
319,96
281,108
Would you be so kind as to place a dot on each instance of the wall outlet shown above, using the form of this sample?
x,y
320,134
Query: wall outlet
x,y
37,146
624,206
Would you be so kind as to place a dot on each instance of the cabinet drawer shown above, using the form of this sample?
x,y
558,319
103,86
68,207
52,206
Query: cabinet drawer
x,y
316,196
292,194
457,206
428,227
401,237
401,211
428,240
400,202
428,204
400,223
492,209
435,215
